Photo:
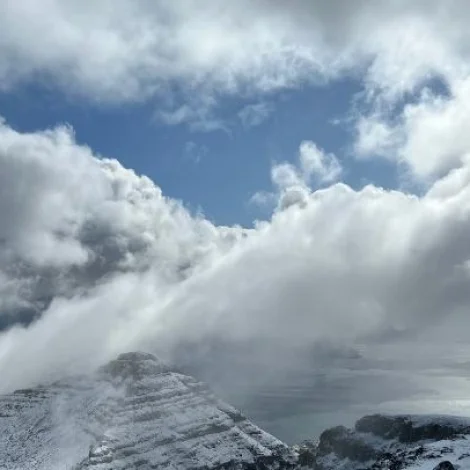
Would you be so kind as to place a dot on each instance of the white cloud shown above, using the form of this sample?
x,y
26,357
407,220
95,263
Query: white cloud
x,y
416,91
253,115
318,165
375,138
436,132
335,267
293,183
71,218
128,50
119,51
429,136
113,265
198,113
264,199
343,266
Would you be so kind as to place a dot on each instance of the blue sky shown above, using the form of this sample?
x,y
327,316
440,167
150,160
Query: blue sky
x,y
215,171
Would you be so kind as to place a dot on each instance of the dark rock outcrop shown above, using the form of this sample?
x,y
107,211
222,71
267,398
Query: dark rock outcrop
x,y
380,442
444,465
307,454
406,430
345,444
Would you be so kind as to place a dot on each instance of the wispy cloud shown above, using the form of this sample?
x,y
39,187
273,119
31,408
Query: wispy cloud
x,y
253,115
194,151
198,115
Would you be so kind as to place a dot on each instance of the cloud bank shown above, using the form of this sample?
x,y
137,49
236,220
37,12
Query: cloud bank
x,y
114,266
95,260
188,54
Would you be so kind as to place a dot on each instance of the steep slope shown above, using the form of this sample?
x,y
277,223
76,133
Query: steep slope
x,y
381,442
134,413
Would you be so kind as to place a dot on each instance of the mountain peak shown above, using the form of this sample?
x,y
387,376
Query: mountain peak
x,y
135,366
137,356
136,412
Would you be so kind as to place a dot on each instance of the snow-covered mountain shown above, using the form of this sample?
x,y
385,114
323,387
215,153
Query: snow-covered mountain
x,y
134,413
137,413
381,442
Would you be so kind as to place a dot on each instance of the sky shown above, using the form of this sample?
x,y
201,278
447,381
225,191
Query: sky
x,y
213,171
273,195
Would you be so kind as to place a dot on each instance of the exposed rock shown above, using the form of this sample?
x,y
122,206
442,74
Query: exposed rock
x,y
405,429
381,442
307,454
444,465
387,427
345,444
134,365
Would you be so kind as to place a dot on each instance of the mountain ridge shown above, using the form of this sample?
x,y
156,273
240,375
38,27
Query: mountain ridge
x,y
136,412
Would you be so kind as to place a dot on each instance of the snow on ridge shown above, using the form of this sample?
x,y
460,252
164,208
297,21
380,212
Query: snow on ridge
x,y
398,442
137,412
134,412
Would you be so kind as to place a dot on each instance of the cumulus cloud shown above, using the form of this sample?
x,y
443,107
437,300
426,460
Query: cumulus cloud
x,y
365,283
316,164
293,182
135,270
375,138
429,136
71,219
414,105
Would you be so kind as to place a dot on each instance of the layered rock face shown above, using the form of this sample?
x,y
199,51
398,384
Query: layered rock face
x,y
134,413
